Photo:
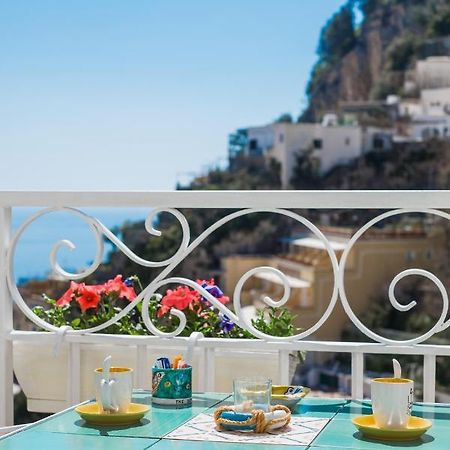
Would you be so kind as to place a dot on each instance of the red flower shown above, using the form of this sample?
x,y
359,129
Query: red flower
x,y
162,310
180,298
67,297
87,297
117,285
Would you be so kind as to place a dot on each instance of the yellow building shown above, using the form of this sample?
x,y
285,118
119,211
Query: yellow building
x,y
375,259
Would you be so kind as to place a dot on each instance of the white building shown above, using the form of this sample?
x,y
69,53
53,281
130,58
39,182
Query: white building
x,y
429,115
435,102
425,127
330,145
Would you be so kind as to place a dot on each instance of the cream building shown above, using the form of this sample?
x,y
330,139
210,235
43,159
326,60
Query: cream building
x,y
373,262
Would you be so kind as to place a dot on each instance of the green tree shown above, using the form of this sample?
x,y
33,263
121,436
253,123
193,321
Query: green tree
x,y
440,25
401,52
284,118
338,36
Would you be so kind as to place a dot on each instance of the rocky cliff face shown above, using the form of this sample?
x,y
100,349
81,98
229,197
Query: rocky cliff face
x,y
391,37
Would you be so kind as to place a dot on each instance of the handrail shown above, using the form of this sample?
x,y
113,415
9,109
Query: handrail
x,y
361,199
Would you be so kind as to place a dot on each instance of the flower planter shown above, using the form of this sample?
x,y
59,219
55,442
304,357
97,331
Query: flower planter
x,y
44,377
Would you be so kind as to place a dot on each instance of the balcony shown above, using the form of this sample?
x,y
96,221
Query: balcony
x,y
213,357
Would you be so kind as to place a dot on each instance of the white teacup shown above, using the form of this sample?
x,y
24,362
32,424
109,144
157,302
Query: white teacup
x,y
392,400
114,395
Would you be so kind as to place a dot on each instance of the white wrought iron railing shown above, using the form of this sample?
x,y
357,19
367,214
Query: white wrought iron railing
x,y
245,202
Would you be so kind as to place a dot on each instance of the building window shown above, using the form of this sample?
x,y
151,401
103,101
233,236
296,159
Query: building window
x,y
378,143
253,144
347,141
410,255
317,144
281,138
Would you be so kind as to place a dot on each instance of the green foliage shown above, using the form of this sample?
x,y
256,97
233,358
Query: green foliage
x,y
107,308
275,322
284,118
368,6
440,23
385,86
402,52
337,38
318,75
306,172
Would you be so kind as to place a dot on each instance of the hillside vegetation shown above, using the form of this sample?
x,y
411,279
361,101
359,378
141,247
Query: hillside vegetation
x,y
369,60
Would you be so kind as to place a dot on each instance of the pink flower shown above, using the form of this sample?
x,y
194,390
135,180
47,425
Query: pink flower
x,y
117,285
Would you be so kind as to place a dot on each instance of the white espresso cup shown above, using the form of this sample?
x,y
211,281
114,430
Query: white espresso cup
x,y
392,400
114,395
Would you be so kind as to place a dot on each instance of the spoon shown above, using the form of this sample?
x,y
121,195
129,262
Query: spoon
x,y
106,386
397,369
106,368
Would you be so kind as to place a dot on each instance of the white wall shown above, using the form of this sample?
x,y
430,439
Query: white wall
x,y
408,108
339,145
428,126
435,102
433,72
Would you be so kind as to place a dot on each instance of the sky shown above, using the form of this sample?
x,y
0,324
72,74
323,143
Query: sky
x,y
137,95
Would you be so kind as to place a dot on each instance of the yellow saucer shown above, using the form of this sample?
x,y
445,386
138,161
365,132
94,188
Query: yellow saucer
x,y
416,427
90,413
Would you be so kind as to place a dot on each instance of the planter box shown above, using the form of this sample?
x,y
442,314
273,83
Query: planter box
x,y
43,377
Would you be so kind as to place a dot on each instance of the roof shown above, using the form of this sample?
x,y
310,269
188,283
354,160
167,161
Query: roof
x,y
313,242
293,281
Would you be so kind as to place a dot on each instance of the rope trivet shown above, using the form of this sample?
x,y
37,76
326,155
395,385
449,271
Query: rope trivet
x,y
258,419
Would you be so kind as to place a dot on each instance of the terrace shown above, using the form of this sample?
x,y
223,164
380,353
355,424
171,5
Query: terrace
x,y
210,361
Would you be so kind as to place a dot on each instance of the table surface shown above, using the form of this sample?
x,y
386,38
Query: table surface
x,y
66,430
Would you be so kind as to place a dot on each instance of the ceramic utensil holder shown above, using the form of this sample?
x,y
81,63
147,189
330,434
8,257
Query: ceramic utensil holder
x,y
172,387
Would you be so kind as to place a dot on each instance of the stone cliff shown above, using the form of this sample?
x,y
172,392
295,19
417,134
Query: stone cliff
x,y
392,35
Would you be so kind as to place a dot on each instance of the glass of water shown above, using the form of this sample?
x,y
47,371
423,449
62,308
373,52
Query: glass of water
x,y
252,393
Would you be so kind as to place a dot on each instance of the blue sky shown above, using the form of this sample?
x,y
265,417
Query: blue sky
x,y
109,94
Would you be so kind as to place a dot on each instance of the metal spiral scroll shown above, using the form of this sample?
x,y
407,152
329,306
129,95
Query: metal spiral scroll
x,y
440,325
99,230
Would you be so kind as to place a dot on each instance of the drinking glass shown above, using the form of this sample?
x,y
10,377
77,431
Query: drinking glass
x,y
252,393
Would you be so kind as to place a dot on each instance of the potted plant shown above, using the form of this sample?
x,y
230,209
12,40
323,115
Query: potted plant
x,y
84,306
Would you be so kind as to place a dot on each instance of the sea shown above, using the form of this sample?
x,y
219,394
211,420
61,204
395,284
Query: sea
x,y
33,248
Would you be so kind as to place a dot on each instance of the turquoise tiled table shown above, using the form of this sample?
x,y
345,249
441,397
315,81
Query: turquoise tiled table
x,y
67,431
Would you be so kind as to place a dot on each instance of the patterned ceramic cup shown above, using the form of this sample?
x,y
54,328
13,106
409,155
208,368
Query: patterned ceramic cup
x,y
172,387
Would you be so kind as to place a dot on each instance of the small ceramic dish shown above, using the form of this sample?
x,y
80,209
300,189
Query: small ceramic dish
x,y
416,427
90,413
288,395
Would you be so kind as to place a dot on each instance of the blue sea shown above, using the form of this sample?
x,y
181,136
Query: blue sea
x,y
32,252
